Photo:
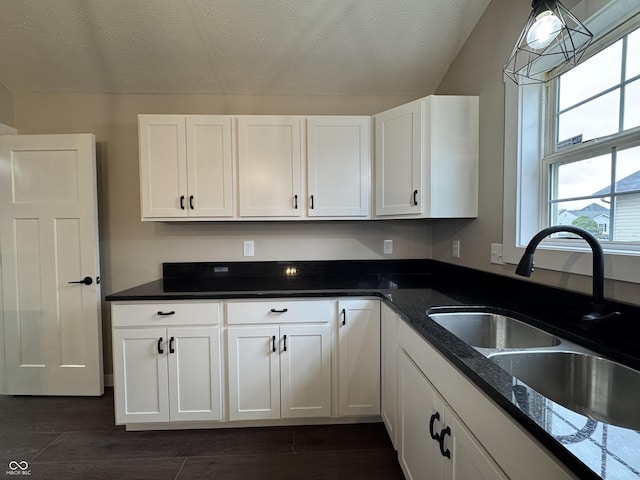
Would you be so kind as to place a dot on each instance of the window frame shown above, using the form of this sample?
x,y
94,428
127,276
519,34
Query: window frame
x,y
526,177
591,148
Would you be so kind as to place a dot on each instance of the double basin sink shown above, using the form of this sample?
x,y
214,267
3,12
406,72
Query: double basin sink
x,y
564,372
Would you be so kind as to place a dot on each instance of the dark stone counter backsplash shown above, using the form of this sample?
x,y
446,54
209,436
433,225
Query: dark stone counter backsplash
x,y
411,287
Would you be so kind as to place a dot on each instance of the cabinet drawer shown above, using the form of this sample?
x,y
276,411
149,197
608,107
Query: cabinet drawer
x,y
280,311
165,314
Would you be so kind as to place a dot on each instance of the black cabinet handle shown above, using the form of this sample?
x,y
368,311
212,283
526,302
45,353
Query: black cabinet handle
x,y
443,434
164,314
160,350
285,343
181,202
295,202
84,281
434,435
191,202
273,344
312,207
171,349
344,316
275,310
415,197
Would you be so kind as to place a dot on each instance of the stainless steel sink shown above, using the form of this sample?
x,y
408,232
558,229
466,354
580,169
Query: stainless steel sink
x,y
491,330
594,386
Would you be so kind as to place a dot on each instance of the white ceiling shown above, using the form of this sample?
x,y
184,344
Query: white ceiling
x,y
246,47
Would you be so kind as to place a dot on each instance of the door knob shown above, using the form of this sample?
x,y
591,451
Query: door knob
x,y
85,280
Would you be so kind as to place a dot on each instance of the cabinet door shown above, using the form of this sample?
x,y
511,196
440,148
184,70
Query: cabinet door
x,y
305,370
359,357
269,163
140,370
163,165
389,370
194,373
398,160
418,453
209,166
339,166
254,373
469,461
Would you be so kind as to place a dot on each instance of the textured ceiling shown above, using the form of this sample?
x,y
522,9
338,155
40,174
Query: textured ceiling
x,y
250,47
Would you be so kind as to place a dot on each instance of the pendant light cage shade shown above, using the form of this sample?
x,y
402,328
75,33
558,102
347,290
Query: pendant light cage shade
x,y
552,37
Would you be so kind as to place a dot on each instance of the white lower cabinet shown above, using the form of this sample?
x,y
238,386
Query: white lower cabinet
x,y
279,359
448,429
433,443
389,371
163,371
167,374
279,371
359,357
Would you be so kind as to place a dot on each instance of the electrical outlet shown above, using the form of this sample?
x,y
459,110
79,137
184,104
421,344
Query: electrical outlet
x,y
496,253
248,248
455,249
388,247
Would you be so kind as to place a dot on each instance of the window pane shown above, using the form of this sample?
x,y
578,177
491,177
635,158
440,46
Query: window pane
x,y
633,54
628,170
583,178
592,215
597,118
632,104
603,71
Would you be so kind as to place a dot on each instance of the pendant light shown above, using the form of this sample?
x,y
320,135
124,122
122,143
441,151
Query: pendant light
x,y
552,37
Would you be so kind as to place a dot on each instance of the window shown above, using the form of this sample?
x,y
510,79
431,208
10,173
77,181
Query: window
x,y
550,177
592,162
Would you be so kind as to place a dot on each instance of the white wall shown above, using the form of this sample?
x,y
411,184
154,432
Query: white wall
x,y
6,106
477,70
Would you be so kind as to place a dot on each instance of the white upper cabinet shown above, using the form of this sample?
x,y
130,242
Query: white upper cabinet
x,y
209,166
163,165
398,167
426,164
186,166
426,159
270,166
339,166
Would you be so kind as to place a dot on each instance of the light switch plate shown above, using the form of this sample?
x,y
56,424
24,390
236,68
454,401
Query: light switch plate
x,y
455,249
248,248
388,247
496,253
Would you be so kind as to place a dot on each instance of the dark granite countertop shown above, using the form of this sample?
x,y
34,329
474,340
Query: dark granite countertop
x,y
590,449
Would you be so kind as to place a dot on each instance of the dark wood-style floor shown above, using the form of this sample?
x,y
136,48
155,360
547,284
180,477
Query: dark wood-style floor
x,y
75,438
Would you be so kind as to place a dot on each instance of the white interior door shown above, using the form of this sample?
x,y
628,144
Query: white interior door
x,y
49,238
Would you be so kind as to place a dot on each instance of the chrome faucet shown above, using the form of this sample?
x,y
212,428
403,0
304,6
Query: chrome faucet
x,y
597,316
